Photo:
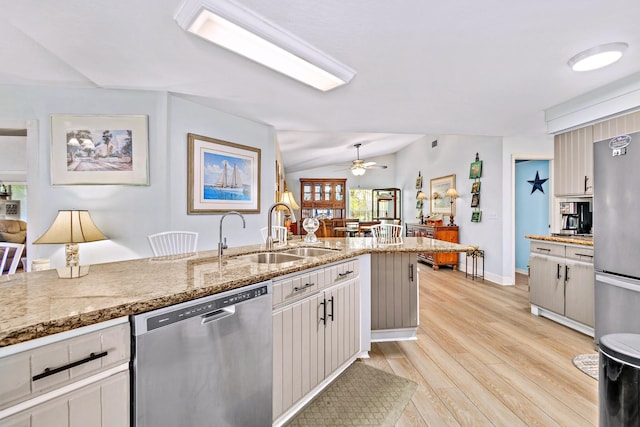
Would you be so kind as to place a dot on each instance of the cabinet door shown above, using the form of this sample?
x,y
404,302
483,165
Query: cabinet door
x,y
546,283
104,403
298,351
579,293
342,332
573,162
394,291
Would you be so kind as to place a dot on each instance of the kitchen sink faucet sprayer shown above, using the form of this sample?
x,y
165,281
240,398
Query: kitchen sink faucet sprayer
x,y
222,245
269,241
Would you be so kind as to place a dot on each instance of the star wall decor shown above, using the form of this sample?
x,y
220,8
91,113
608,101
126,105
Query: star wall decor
x,y
537,183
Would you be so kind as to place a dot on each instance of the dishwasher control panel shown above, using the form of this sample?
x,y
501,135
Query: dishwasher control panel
x,y
196,308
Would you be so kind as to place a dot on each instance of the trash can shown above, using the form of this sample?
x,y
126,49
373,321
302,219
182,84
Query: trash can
x,y
619,386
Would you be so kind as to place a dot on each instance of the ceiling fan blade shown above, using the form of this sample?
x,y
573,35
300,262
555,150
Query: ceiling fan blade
x,y
373,165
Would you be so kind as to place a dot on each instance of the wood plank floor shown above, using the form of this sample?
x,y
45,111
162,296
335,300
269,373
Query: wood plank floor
x,y
482,358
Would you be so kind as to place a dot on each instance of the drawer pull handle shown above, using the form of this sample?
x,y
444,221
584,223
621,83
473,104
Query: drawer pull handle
x,y
544,249
346,273
52,371
587,255
300,288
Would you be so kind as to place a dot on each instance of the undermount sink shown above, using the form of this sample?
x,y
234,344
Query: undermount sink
x,y
270,257
308,251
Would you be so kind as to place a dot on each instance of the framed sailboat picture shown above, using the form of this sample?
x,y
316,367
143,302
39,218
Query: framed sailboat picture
x,y
222,176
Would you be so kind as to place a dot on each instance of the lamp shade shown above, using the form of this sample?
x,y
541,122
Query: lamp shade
x,y
422,196
287,197
451,193
71,226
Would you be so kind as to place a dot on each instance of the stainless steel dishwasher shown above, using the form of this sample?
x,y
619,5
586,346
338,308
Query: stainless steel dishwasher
x,y
206,362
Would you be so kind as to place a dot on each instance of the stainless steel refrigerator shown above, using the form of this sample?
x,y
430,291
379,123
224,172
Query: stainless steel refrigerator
x,y
616,230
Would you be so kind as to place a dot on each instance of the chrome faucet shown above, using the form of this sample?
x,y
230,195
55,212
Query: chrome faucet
x,y
222,245
269,241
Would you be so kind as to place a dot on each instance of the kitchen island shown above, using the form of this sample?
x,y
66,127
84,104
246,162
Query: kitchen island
x,y
39,304
66,345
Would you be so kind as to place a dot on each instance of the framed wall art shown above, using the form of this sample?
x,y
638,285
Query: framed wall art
x,y
99,150
476,216
475,187
475,200
475,171
222,176
439,186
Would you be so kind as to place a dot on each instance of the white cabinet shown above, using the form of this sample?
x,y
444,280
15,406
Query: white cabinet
x,y
561,283
573,163
394,296
80,378
316,330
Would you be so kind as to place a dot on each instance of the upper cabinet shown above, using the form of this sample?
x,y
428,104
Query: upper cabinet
x,y
323,196
573,163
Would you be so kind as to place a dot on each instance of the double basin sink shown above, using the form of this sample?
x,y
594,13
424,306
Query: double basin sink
x,y
289,255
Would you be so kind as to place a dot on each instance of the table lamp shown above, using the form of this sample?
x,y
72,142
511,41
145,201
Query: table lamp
x,y
70,228
422,196
287,197
452,194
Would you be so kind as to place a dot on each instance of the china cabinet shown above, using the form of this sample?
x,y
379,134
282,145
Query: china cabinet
x,y
323,196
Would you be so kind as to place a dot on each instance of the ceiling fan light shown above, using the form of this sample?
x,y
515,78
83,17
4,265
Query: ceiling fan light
x,y
597,57
358,170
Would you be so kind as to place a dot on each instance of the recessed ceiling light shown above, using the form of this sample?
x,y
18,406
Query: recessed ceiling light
x,y
597,57
242,31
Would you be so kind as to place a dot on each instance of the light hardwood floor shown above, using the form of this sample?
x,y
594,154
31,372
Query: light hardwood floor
x,y
482,358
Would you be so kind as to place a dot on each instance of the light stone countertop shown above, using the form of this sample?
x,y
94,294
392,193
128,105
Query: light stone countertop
x,y
37,304
585,241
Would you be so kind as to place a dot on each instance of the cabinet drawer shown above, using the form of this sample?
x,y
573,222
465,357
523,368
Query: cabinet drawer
x,y
545,248
580,253
26,374
341,272
294,287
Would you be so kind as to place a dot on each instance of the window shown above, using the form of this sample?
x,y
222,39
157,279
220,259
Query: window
x,y
360,204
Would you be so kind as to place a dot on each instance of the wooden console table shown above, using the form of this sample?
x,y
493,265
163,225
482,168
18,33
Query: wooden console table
x,y
439,232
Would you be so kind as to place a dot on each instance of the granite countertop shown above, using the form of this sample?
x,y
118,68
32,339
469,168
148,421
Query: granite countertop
x,y
38,304
574,240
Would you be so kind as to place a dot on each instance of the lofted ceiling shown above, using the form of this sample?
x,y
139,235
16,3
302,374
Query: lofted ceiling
x,y
423,67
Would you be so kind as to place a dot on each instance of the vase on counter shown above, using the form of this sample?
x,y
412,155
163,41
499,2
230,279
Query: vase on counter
x,y
310,225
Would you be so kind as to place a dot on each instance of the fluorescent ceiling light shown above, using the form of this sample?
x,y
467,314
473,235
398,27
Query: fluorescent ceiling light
x,y
240,30
597,57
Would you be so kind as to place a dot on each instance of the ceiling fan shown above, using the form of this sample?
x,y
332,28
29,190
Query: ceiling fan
x,y
359,167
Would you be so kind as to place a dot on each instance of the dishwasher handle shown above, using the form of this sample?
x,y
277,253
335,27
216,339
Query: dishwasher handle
x,y
217,315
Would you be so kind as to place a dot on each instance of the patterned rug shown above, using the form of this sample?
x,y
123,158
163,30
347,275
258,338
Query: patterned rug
x,y
360,396
588,363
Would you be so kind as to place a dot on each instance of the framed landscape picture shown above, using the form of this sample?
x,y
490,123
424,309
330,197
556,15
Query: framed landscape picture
x,y
438,187
99,150
475,171
222,176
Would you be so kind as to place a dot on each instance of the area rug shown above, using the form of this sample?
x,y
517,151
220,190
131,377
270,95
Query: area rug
x,y
588,363
360,396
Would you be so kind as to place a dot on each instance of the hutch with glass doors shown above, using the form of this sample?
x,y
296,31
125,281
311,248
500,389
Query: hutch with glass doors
x,y
323,196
